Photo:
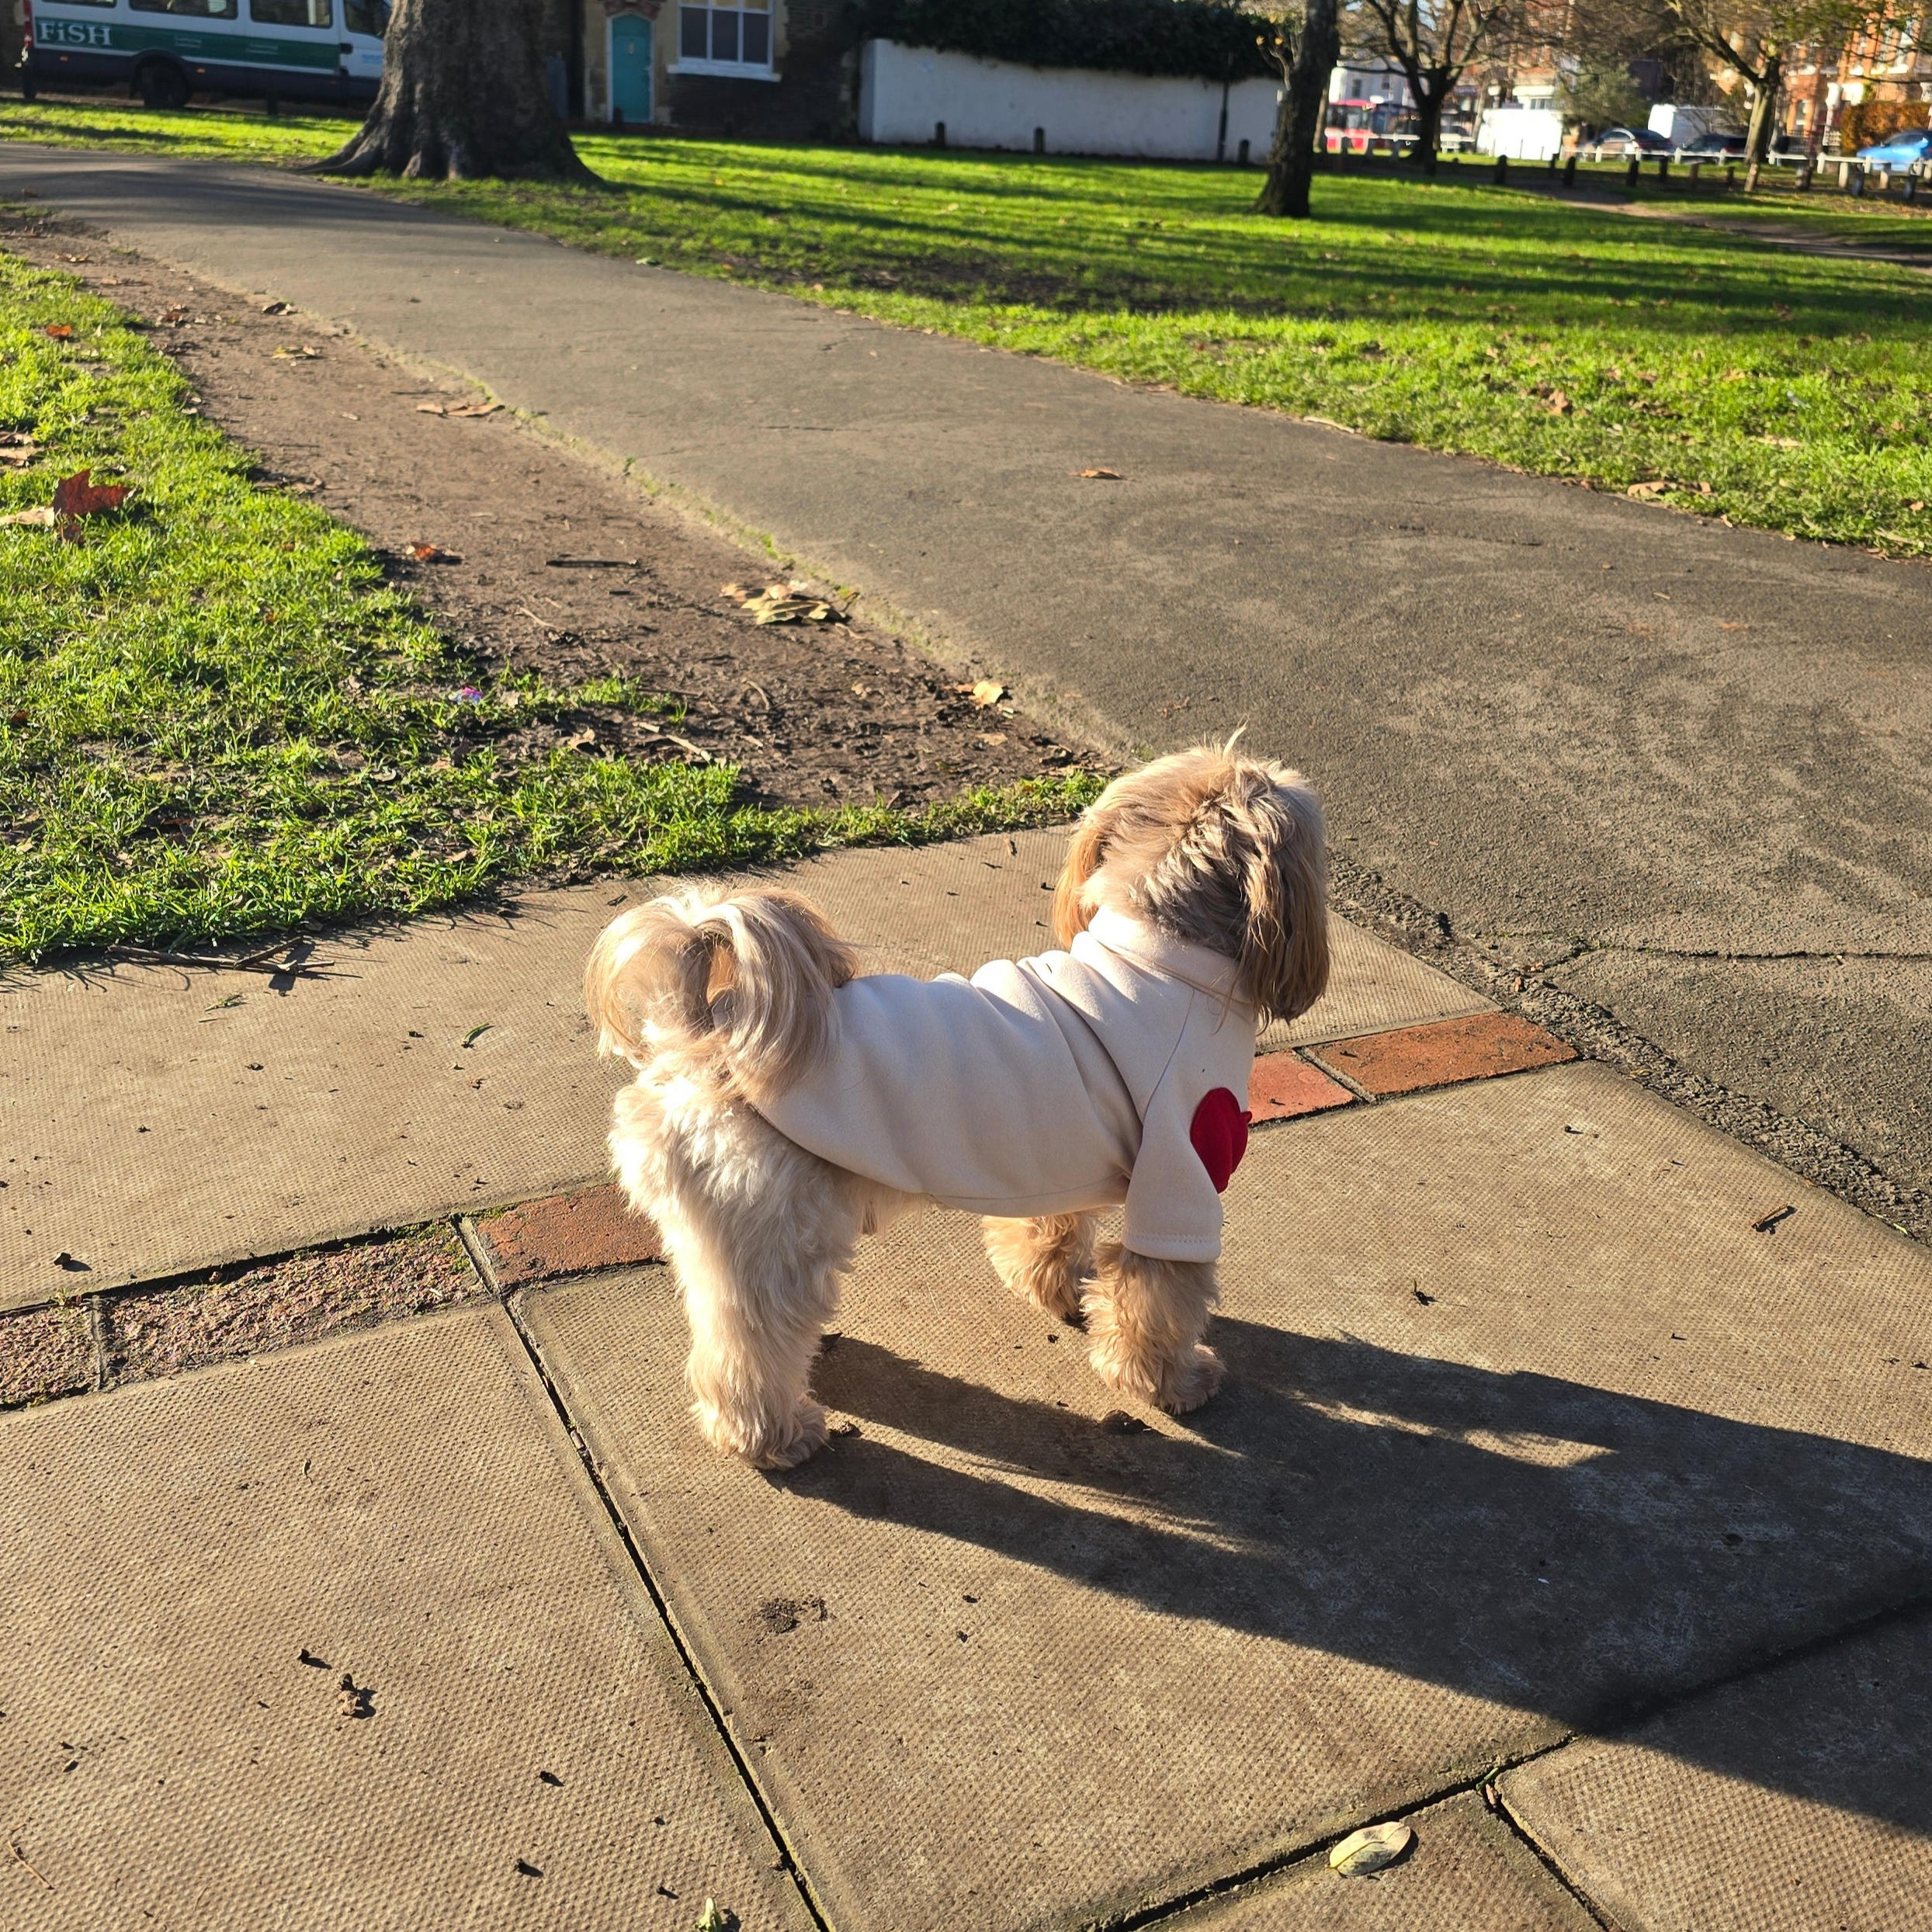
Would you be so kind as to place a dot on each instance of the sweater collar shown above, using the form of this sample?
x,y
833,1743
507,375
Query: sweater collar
x,y
1147,945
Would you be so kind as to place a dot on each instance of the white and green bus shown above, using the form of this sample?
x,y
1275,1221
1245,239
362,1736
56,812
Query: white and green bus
x,y
167,50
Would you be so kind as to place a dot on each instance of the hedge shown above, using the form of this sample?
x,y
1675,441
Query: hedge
x,y
1213,40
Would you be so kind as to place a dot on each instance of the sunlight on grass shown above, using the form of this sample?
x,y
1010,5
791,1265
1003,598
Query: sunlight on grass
x,y
216,719
1716,371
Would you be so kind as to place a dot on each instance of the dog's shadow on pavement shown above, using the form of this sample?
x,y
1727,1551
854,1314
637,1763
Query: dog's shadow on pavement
x,y
1538,1542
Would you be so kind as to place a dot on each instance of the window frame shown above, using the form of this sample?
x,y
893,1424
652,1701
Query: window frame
x,y
728,70
298,27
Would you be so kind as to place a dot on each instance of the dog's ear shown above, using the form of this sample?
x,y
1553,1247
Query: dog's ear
x,y
1284,952
1083,856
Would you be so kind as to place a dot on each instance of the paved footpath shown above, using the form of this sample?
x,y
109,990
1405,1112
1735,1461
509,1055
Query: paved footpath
x,y
1569,1497
1689,764
1567,1500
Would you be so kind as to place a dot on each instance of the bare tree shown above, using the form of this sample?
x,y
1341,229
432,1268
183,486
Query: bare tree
x,y
464,94
1434,43
1306,53
1755,39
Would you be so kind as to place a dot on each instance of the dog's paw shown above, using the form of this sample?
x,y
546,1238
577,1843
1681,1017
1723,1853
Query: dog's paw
x,y
810,1434
1189,1382
1175,1386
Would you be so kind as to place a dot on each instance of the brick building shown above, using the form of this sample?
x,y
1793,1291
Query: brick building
x,y
785,69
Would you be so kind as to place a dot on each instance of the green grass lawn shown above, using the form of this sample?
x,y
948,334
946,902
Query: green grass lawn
x,y
216,719
1777,390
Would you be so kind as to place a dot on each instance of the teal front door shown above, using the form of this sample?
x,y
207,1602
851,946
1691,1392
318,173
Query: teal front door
x,y
630,68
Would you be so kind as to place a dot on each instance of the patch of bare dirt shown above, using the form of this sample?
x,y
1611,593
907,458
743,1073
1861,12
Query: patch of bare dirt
x,y
551,564
43,1353
251,1310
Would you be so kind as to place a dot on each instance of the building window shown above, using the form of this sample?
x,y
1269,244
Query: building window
x,y
725,40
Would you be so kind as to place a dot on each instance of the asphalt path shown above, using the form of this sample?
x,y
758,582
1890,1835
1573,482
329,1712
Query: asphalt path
x,y
1688,762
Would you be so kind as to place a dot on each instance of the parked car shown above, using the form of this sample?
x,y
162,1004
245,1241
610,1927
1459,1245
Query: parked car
x,y
1619,143
1715,145
1903,151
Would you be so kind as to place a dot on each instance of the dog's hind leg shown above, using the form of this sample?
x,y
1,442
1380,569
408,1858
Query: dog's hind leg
x,y
758,1244
751,1352
1146,1319
1043,1258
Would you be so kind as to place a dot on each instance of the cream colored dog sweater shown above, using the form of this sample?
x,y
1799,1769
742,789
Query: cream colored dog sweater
x,y
1117,1072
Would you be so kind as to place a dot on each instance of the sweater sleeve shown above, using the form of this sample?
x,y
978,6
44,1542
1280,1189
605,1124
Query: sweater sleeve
x,y
1173,1208
1193,1135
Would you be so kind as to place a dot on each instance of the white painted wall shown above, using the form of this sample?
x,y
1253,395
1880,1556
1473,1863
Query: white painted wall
x,y
1523,133
902,91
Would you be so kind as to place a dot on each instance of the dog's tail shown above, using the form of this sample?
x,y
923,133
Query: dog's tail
x,y
749,979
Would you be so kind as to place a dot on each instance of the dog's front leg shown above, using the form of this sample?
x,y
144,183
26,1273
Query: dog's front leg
x,y
1146,1319
1043,1258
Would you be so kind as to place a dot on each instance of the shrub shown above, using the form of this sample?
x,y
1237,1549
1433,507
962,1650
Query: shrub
x,y
1211,39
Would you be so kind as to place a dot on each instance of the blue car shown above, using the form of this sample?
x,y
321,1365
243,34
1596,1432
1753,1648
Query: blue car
x,y
1903,151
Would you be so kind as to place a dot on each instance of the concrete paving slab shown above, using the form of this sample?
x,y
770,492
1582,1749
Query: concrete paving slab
x,y
1524,1425
1480,1048
404,1507
171,1119
1468,1872
1798,1801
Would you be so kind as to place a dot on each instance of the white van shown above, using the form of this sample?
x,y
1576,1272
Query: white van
x,y
166,49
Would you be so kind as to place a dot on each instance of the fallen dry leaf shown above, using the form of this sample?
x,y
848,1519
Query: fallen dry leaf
x,y
353,1699
987,692
793,603
1648,492
1101,476
60,331
1559,404
75,497
1370,1849
278,308
1914,506
303,352
432,553
40,515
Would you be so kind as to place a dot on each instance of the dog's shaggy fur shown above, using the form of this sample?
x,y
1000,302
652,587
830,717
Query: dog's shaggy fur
x,y
722,1005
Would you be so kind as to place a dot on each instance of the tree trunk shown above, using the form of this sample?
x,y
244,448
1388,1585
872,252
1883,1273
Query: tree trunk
x,y
1428,122
1291,157
1757,140
464,94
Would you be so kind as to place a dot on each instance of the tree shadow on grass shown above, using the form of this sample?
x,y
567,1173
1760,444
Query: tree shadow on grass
x,y
1541,1543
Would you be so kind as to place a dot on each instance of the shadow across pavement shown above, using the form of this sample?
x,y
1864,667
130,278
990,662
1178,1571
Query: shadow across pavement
x,y
1536,1542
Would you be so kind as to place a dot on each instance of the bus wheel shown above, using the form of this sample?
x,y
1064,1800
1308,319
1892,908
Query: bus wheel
x,y
162,86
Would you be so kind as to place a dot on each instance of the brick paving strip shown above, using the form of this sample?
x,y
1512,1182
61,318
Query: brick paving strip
x,y
1542,1421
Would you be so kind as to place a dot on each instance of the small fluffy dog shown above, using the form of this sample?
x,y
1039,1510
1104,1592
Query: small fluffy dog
x,y
784,1105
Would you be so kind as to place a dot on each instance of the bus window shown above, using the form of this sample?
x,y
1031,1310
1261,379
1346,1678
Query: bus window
x,y
202,9
292,13
366,16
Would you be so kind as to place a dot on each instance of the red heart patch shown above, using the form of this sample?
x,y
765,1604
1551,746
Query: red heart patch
x,y
1218,1132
